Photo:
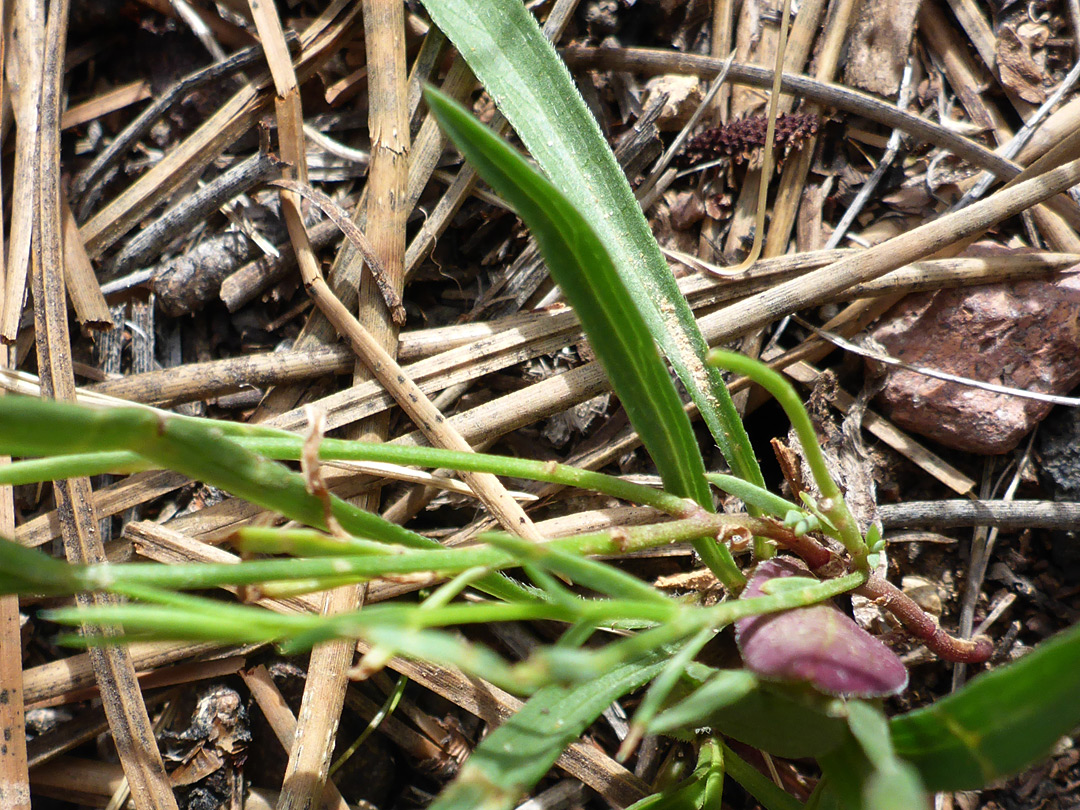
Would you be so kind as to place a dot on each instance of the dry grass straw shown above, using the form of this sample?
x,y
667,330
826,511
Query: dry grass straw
x,y
128,718
393,104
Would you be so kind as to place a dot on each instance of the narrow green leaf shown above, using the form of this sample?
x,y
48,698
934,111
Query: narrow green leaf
x,y
516,755
891,783
757,784
29,571
200,450
725,687
702,790
505,48
584,270
54,468
999,723
602,578
785,721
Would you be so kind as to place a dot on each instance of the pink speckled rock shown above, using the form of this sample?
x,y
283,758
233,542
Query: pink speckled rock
x,y
818,645
1022,334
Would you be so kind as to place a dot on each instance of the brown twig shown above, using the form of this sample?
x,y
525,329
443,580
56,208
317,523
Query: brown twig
x,y
91,309
310,744
219,71
283,722
152,240
658,61
245,283
1009,515
390,296
14,779
918,243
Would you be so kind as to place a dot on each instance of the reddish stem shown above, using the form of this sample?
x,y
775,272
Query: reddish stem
x,y
923,626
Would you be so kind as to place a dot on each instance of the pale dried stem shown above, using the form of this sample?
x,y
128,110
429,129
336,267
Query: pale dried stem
x,y
311,742
283,723
793,178
923,241
968,82
14,778
649,61
525,407
228,123
24,75
723,18
91,310
128,719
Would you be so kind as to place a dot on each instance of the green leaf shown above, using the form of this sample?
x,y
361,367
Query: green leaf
x,y
505,48
999,723
785,721
203,451
757,784
889,783
702,789
29,571
722,689
584,270
518,753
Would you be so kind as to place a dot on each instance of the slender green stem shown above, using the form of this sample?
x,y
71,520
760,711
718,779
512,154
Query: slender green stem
x,y
755,496
549,472
288,447
384,711
349,566
660,689
832,504
54,468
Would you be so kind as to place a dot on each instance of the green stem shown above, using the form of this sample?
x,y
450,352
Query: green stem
x,y
57,577
832,504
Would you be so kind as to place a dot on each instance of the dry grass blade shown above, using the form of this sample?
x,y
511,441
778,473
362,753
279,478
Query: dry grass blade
x,y
843,98
789,191
107,102
281,719
122,699
311,744
14,779
28,22
923,241
189,158
83,288
470,261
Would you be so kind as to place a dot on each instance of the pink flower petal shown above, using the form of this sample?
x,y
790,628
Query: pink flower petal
x,y
818,645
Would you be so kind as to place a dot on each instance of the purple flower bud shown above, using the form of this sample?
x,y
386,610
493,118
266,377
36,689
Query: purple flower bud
x,y
818,645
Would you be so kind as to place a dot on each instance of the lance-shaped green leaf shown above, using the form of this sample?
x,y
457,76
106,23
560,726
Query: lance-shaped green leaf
x,y
509,54
583,268
1001,722
865,772
518,753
